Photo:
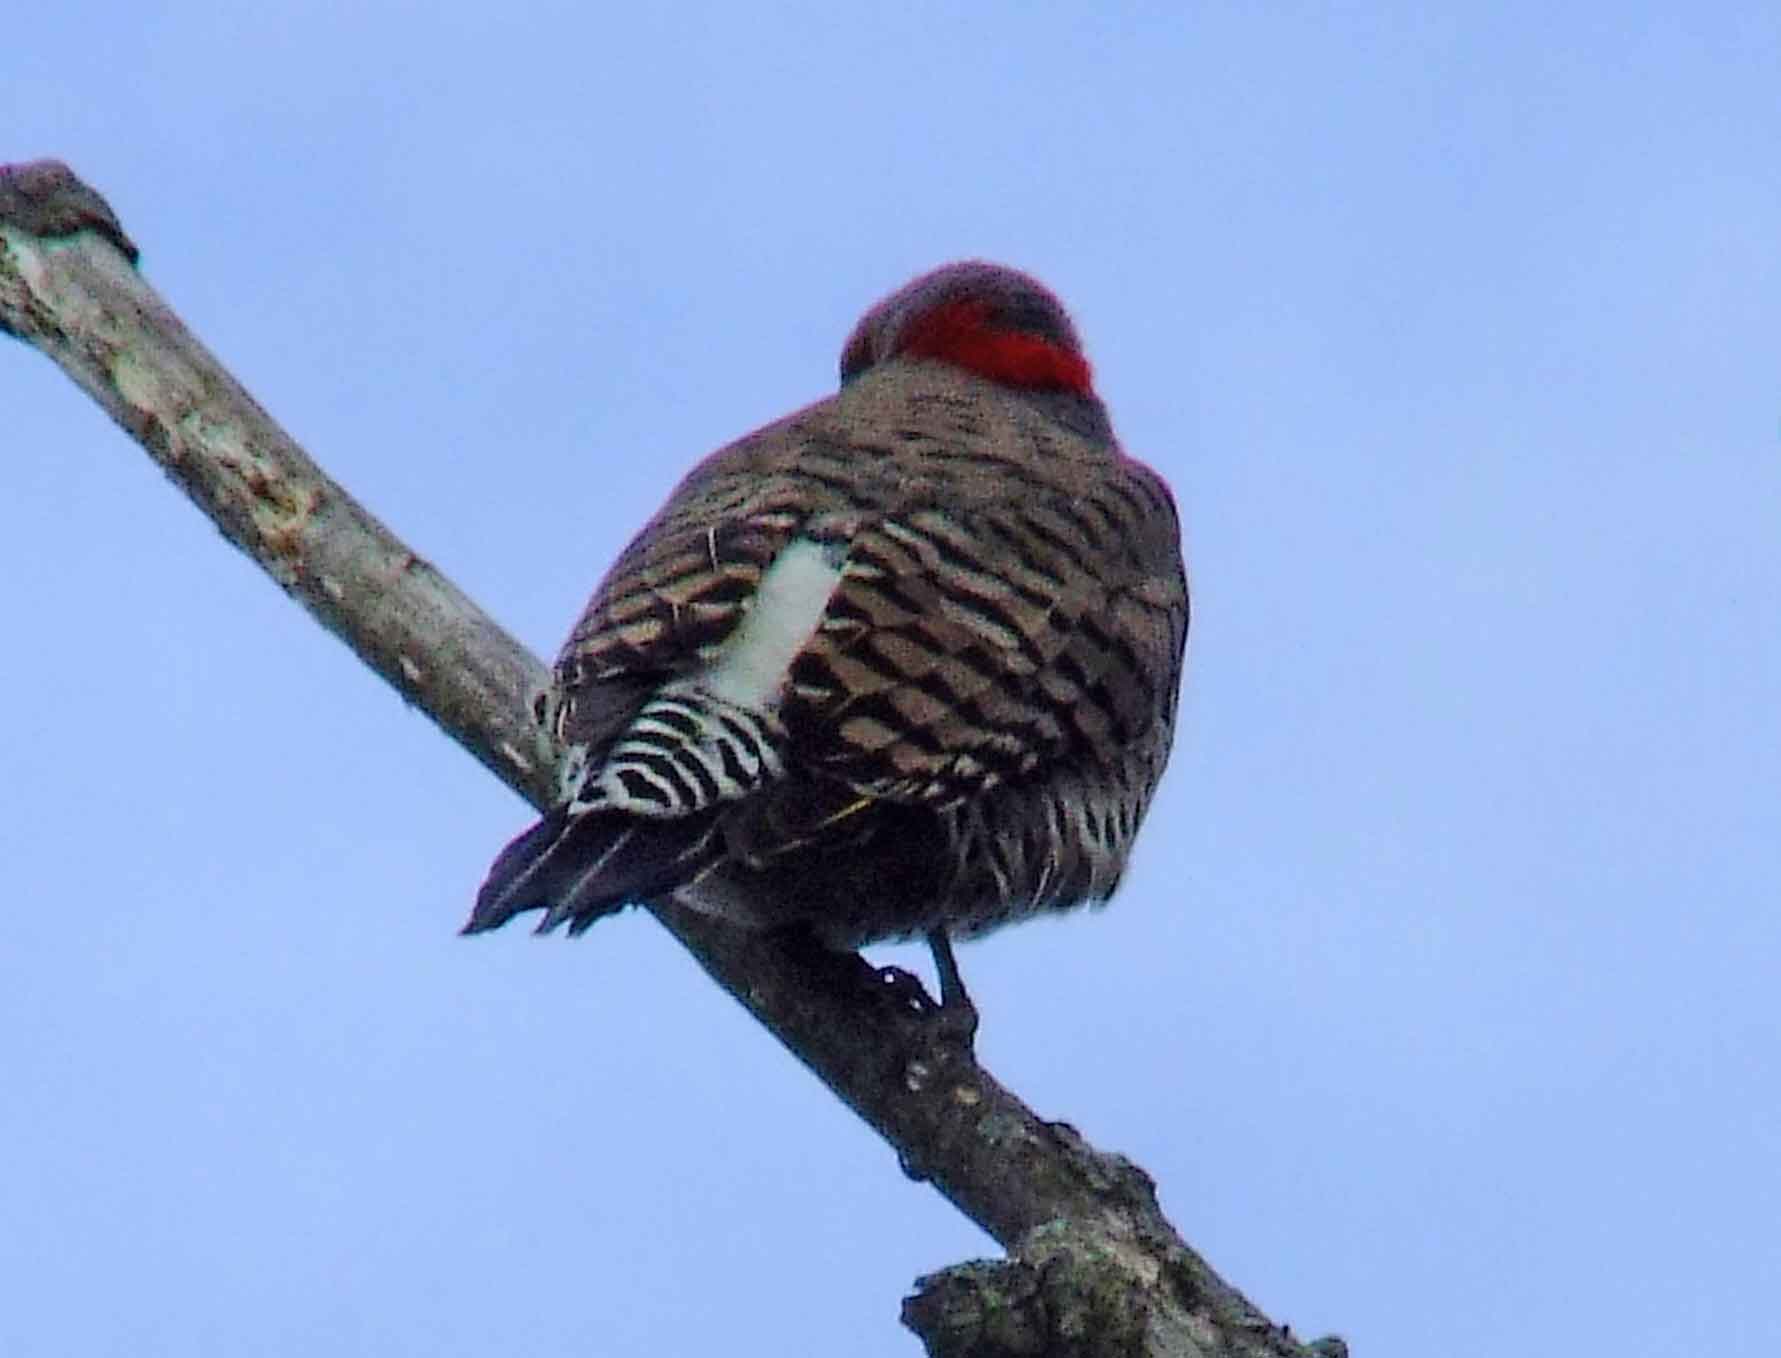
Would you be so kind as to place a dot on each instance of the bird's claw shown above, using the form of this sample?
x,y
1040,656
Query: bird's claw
x,y
950,1021
905,990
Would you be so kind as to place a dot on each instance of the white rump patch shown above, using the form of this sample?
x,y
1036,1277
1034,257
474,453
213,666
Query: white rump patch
x,y
794,592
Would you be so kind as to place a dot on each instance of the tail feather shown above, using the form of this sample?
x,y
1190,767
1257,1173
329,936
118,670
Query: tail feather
x,y
578,868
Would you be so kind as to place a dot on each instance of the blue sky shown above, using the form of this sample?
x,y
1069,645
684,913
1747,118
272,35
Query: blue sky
x,y
1443,996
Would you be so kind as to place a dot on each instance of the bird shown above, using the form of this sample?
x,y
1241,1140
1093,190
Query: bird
x,y
902,664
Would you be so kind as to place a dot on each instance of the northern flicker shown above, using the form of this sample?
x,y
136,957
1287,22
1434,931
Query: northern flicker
x,y
904,662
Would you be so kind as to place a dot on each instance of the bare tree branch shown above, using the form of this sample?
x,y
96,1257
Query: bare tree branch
x,y
1095,1268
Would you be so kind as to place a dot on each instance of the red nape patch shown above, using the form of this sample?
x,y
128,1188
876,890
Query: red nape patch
x,y
960,333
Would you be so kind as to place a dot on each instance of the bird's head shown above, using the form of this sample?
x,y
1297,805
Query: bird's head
x,y
989,320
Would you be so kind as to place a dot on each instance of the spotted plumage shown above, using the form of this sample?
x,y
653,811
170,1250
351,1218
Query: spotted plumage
x,y
905,661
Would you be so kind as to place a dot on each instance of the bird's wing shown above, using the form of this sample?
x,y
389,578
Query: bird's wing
x,y
965,648
640,739
675,596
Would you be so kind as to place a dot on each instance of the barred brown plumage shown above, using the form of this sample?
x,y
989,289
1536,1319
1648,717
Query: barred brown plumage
x,y
903,662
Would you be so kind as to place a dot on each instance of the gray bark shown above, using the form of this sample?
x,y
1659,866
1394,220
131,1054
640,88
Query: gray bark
x,y
1093,1266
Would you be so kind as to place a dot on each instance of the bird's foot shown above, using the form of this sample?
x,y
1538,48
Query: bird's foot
x,y
902,990
950,1021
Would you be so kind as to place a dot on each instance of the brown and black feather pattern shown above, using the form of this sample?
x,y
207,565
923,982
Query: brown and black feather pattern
x,y
969,733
